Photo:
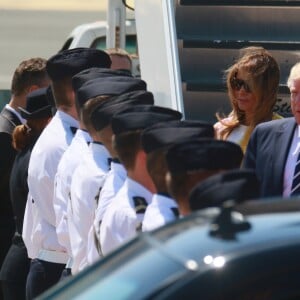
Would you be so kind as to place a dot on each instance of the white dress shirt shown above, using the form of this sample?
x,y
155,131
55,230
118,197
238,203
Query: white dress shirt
x,y
30,216
159,212
45,156
112,184
69,161
87,181
121,222
237,134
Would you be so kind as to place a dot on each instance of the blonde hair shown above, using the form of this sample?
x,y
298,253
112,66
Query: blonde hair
x,y
263,79
124,61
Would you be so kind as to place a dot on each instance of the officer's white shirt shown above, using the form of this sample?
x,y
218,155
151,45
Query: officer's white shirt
x,y
87,181
159,212
30,216
45,156
112,184
121,222
69,161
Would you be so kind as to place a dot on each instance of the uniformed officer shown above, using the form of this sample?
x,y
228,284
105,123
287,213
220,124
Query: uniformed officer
x,y
117,173
237,185
88,177
29,75
37,114
155,142
72,157
123,218
101,118
193,160
49,256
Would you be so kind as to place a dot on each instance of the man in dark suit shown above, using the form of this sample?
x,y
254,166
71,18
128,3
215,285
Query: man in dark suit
x,y
30,75
273,148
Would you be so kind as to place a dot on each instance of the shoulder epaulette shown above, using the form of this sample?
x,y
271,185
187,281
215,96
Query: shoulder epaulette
x,y
140,204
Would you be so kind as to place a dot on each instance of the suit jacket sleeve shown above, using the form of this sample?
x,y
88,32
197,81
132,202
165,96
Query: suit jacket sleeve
x,y
7,157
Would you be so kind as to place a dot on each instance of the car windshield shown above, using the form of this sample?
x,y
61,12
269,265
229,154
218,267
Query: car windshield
x,y
154,261
131,280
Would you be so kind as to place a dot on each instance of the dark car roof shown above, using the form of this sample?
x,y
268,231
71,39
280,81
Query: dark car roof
x,y
200,243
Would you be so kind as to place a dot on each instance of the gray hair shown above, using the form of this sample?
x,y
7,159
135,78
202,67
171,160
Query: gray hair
x,y
294,74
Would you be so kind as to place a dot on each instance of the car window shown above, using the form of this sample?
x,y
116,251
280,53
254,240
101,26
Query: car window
x,y
143,269
67,44
267,275
135,279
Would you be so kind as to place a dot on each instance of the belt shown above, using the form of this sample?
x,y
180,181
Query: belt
x,y
53,256
69,263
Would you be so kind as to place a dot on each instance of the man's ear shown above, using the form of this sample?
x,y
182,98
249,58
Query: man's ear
x,y
142,156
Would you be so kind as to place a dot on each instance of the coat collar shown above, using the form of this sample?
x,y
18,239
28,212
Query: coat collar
x,y
284,136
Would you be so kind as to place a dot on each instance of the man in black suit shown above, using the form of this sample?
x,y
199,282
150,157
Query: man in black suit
x,y
30,75
274,146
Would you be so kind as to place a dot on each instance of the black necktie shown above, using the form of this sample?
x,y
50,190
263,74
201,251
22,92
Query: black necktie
x,y
73,129
175,212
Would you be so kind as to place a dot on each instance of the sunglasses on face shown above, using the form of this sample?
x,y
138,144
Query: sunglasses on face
x,y
237,84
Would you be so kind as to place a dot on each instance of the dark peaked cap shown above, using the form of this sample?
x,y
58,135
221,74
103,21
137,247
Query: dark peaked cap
x,y
50,96
238,185
110,86
37,105
165,134
86,75
203,154
139,117
141,95
69,62
103,113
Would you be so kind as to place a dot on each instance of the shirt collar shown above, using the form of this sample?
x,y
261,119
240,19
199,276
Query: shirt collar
x,y
166,200
69,120
139,189
84,135
298,131
100,154
8,107
297,149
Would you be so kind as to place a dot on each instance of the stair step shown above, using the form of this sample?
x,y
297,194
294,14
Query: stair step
x,y
223,23
240,2
270,45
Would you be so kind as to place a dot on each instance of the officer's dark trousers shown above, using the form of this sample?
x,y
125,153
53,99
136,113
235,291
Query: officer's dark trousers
x,y
42,275
13,291
14,270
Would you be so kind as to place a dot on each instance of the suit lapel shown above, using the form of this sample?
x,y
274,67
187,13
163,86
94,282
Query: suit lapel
x,y
10,117
284,136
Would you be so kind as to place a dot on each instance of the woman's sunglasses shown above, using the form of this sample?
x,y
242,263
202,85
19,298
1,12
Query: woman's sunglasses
x,y
237,84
